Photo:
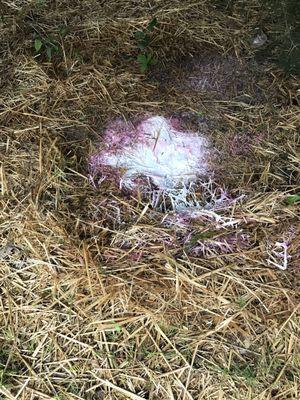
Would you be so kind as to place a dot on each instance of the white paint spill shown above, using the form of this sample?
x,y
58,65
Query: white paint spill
x,y
167,156
171,160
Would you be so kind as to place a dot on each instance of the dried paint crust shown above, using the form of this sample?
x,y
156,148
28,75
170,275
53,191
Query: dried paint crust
x,y
154,156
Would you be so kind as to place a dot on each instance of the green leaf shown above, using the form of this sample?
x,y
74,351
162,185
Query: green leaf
x,y
142,58
117,327
145,42
38,44
143,67
49,53
139,35
145,60
64,31
199,114
152,24
294,198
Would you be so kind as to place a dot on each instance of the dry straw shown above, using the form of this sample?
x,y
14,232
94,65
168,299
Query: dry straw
x,y
103,297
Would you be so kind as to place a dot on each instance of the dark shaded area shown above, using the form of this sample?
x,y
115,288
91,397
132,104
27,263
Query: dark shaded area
x,y
280,21
284,46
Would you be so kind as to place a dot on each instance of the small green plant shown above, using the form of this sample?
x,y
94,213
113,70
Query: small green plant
x,y
246,372
145,61
292,199
241,301
46,46
144,39
117,327
199,114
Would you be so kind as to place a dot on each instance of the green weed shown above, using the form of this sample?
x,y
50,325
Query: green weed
x,y
145,61
117,327
292,199
144,38
241,302
245,372
48,46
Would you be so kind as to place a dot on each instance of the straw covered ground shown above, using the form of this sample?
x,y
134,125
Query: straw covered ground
x,y
102,296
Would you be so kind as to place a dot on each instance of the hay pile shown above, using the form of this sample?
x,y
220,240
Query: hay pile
x,y
103,297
